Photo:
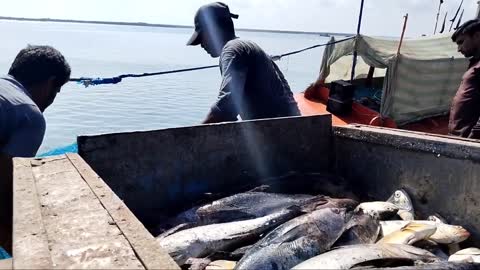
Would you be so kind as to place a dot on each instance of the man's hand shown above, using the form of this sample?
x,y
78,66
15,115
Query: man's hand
x,y
214,118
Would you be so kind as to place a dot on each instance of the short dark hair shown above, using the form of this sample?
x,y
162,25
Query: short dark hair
x,y
470,27
36,64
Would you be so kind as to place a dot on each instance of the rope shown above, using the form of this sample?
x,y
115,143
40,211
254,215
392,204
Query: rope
x,y
114,80
310,48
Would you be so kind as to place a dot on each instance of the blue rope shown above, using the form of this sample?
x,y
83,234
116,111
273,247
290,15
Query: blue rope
x,y
114,80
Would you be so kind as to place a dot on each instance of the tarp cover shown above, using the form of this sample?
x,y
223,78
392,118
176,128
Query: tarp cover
x,y
420,82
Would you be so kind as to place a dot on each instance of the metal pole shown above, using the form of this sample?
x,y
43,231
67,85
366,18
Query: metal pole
x,y
355,53
455,17
438,16
403,33
478,10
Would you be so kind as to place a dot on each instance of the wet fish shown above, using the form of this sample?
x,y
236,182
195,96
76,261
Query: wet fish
x,y
445,234
411,233
350,256
452,248
221,265
201,241
379,210
258,204
401,199
469,255
296,241
246,205
360,229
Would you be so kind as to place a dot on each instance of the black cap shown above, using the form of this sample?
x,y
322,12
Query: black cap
x,y
217,12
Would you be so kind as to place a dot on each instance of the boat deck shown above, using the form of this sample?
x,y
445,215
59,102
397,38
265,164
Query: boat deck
x,y
365,116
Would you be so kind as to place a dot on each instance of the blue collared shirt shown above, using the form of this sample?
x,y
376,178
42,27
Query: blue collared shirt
x,y
22,125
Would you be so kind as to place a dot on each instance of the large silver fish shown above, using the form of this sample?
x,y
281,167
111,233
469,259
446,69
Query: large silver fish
x,y
201,241
296,241
250,205
350,256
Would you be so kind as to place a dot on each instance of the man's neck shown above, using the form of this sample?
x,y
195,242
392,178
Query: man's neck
x,y
228,39
474,59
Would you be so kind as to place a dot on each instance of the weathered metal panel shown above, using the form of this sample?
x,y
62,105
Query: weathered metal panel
x,y
150,171
441,174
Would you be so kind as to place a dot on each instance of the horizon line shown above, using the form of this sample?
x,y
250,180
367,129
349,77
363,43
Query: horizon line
x,y
143,24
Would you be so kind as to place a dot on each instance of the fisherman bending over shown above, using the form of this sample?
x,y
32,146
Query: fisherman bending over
x,y
252,84
34,79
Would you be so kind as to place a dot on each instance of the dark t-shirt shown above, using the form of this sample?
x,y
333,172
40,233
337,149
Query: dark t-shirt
x,y
252,85
465,111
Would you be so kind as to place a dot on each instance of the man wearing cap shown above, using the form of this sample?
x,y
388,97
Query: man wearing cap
x,y
252,84
465,111
33,81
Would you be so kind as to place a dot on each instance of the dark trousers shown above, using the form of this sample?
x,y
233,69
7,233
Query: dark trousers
x,y
6,203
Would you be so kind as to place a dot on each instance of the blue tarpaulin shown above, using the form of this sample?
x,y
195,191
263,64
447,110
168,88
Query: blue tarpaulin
x,y
3,254
73,148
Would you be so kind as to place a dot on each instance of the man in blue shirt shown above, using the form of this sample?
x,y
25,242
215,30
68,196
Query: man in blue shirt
x,y
32,83
252,84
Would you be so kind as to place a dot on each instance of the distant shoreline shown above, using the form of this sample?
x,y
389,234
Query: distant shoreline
x,y
323,34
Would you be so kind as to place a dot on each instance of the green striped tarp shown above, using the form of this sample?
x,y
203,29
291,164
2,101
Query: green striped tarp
x,y
420,82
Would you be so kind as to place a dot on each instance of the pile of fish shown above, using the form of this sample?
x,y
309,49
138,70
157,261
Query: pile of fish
x,y
261,230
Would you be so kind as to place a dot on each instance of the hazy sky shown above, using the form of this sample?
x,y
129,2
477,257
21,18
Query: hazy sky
x,y
382,17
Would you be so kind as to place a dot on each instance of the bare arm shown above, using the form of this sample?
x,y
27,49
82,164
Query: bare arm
x,y
214,118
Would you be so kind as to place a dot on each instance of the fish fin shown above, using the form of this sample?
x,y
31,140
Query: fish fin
x,y
177,229
407,225
312,204
262,188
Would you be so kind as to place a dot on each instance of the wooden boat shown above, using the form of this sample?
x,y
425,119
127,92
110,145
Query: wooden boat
x,y
417,81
